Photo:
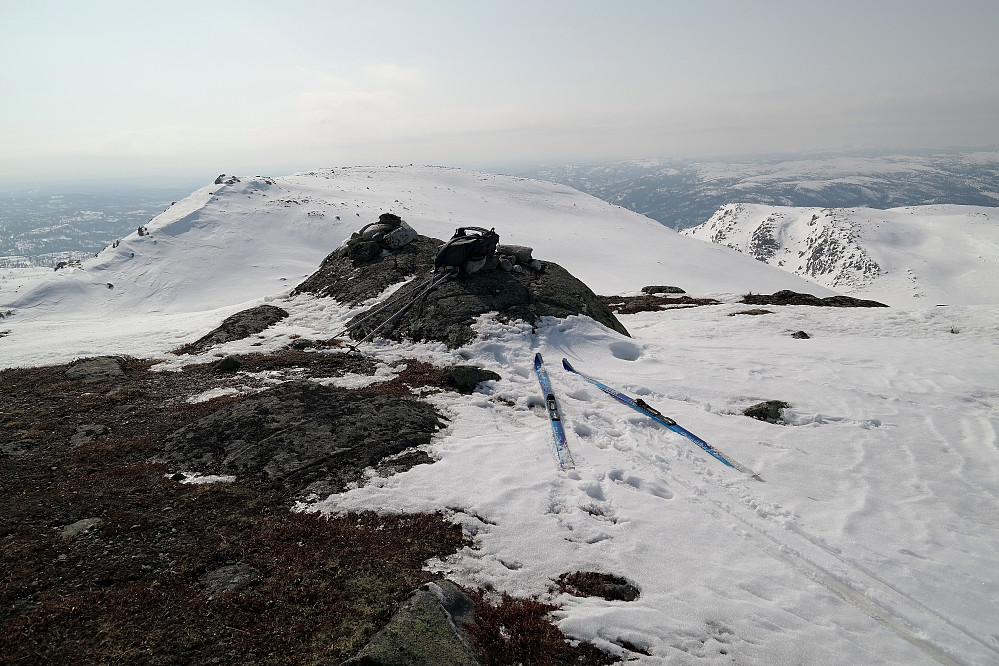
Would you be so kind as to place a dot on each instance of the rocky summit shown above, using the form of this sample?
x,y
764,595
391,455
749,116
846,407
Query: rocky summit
x,y
514,285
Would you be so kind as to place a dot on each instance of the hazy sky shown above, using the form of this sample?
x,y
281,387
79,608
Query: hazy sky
x,y
171,87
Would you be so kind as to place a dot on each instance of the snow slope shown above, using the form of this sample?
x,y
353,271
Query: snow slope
x,y
872,538
936,254
229,243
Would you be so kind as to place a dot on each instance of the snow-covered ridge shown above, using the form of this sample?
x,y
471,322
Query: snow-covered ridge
x,y
929,254
248,238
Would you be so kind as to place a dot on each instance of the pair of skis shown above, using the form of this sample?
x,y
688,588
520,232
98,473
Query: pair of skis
x,y
639,405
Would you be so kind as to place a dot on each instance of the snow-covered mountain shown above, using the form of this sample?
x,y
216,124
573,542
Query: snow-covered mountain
x,y
245,238
872,538
933,254
684,193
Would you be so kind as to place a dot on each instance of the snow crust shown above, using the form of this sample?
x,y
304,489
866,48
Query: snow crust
x,y
872,539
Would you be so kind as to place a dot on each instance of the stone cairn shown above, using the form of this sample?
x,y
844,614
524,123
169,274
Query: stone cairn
x,y
391,232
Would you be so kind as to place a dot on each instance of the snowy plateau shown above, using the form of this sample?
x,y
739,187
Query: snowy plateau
x,y
871,535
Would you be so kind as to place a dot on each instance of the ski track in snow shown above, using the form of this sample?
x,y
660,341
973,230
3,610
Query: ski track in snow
x,y
872,539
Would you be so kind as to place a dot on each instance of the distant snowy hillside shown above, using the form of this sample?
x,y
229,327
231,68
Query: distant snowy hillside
x,y
929,254
248,238
684,193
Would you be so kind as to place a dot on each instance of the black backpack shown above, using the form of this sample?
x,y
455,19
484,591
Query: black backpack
x,y
467,252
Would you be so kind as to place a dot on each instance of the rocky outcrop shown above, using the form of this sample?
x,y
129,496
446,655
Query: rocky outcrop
x,y
308,437
771,411
543,289
238,326
425,630
97,369
788,297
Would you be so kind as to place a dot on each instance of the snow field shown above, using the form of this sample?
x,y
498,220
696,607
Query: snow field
x,y
872,538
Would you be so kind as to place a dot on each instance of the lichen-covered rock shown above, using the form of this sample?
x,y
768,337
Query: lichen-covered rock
x,y
309,437
420,632
238,326
96,369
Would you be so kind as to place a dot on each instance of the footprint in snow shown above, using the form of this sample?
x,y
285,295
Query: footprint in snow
x,y
651,486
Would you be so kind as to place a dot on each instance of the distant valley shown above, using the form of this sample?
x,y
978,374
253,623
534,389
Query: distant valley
x,y
685,193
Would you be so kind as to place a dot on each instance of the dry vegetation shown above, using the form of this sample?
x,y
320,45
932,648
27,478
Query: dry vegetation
x,y
165,572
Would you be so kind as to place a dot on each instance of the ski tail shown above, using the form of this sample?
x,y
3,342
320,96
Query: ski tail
x,y
643,407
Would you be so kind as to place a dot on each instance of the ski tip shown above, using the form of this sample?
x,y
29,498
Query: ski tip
x,y
567,365
538,360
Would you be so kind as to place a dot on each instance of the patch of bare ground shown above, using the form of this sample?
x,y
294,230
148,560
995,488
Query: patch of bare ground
x,y
652,303
105,557
515,631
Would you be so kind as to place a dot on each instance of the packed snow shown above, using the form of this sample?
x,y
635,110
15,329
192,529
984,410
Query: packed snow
x,y
872,537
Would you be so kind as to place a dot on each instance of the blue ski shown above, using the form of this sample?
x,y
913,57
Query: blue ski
x,y
641,406
565,460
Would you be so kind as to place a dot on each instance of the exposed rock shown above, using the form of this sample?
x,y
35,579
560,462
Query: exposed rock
x,y
231,578
653,303
222,180
800,335
788,297
350,281
310,437
661,289
79,527
594,584
521,254
17,448
770,411
238,326
447,313
420,632
228,364
754,311
87,433
466,378
95,370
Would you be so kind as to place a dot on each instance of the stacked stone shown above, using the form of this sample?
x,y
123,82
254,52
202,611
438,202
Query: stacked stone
x,y
513,259
390,233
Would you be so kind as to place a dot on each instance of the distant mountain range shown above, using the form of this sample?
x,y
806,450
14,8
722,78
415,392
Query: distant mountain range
x,y
940,254
685,193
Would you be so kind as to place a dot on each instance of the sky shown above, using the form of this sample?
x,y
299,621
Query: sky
x,y
95,89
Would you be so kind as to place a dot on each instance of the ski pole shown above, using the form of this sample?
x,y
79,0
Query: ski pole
x,y
404,309
392,299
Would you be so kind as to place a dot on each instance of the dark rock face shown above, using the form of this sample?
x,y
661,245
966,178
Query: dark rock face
x,y
353,281
447,313
770,411
662,289
800,335
310,437
238,326
465,378
788,297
